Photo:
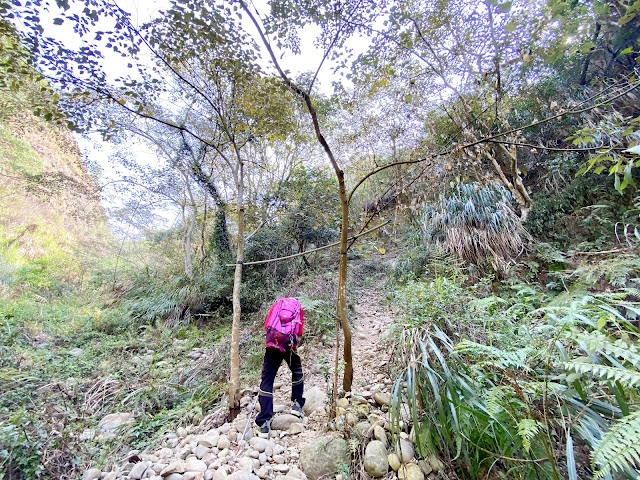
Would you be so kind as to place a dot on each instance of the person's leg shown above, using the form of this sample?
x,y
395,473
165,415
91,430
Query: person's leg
x,y
272,361
297,376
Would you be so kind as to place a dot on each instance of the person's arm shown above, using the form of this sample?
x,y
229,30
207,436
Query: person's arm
x,y
268,315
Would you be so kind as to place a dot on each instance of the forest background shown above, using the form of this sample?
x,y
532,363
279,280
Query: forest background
x,y
494,144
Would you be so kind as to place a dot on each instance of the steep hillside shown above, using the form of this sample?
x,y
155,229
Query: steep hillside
x,y
50,211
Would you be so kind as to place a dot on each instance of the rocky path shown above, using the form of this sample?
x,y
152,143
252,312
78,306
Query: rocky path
x,y
309,448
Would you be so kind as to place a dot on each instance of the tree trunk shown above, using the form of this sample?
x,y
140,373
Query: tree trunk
x,y
188,235
342,291
234,373
344,201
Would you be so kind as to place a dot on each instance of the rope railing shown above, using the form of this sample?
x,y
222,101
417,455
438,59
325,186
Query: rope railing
x,y
306,252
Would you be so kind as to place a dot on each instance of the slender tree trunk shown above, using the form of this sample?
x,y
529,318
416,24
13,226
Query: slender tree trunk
x,y
342,292
188,263
203,233
188,236
342,273
234,373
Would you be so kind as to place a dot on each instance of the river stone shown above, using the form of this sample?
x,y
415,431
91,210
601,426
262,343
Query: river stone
x,y
362,428
209,440
343,403
138,470
164,453
297,473
375,459
219,474
195,465
435,463
201,451
315,400
281,468
173,467
174,476
405,452
113,421
411,471
261,444
380,434
283,421
425,467
382,398
296,428
223,443
394,461
246,463
324,456
92,474
193,476
351,418
242,475
111,476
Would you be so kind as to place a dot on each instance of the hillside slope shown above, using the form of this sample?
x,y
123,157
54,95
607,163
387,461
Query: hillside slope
x,y
50,210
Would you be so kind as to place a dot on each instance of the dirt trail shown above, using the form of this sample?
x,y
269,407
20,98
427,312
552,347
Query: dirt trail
x,y
370,318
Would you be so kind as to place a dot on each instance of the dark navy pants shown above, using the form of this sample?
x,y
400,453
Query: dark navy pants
x,y
272,361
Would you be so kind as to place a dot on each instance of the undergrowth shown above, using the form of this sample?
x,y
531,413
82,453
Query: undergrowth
x,y
527,383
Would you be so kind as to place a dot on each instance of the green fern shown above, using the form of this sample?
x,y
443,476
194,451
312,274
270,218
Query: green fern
x,y
619,450
528,428
516,358
602,372
494,399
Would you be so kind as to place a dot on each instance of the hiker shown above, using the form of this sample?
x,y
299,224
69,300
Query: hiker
x,y
283,326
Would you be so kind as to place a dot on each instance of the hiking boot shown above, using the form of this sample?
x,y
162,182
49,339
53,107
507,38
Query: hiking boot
x,y
265,427
296,409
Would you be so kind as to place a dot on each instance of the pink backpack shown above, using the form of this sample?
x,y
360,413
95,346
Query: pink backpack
x,y
284,323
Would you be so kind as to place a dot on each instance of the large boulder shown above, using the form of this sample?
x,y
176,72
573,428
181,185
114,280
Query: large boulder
x,y
324,456
375,459
315,399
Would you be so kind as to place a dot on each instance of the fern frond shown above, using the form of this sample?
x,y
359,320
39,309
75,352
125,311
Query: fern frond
x,y
625,377
528,428
619,449
626,352
504,358
596,342
494,400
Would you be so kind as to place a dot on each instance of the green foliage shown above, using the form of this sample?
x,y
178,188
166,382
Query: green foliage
x,y
479,380
477,224
308,207
620,447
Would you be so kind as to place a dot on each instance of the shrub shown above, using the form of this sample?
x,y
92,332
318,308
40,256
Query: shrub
x,y
478,225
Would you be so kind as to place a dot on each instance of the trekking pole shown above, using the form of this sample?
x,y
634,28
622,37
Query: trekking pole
x,y
244,433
